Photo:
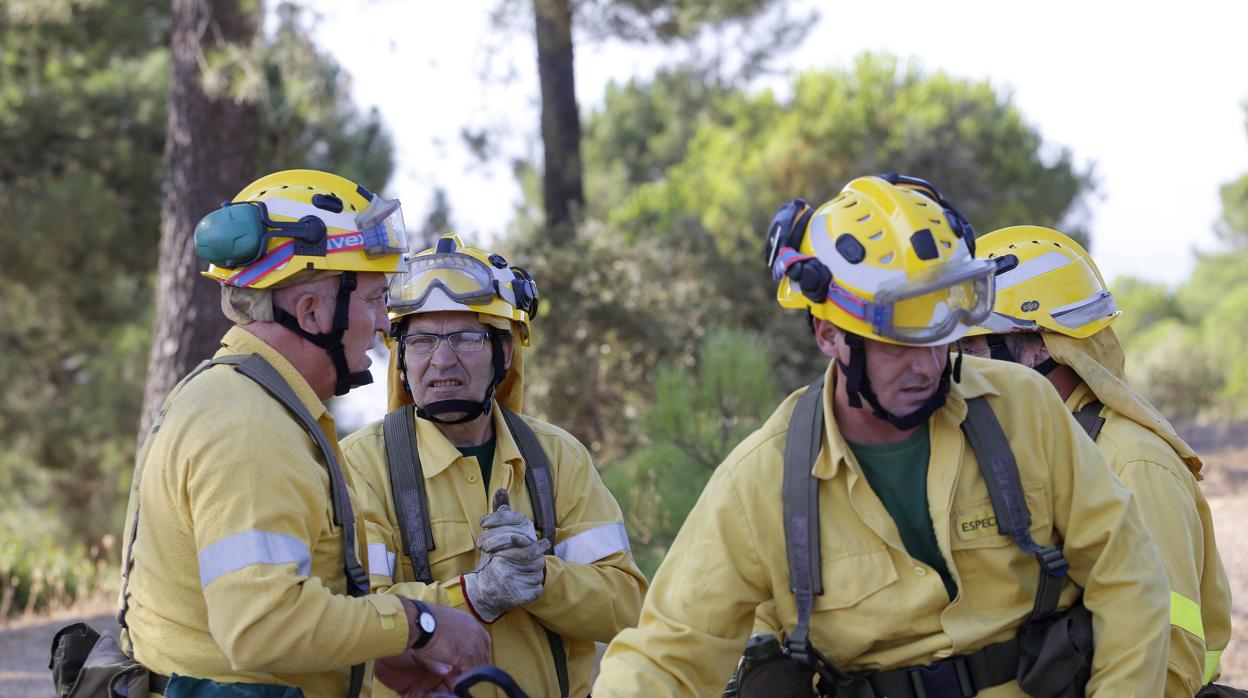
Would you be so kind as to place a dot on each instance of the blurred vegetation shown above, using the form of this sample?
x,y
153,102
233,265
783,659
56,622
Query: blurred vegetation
x,y
1185,346
83,93
659,343
699,414
683,173
39,574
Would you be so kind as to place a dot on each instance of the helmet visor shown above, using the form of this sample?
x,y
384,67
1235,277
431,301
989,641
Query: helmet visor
x,y
382,226
930,308
462,278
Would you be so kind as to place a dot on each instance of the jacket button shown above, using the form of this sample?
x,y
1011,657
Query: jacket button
x,y
920,571
473,477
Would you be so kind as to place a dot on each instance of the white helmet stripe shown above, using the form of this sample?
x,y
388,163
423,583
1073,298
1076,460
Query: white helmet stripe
x,y
298,209
1030,269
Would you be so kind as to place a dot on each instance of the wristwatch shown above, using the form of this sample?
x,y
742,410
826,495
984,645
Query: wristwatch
x,y
427,623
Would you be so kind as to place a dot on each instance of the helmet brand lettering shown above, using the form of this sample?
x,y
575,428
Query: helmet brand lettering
x,y
345,242
1031,306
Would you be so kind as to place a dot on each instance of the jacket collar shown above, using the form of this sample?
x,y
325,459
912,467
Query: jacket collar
x,y
437,452
836,452
239,341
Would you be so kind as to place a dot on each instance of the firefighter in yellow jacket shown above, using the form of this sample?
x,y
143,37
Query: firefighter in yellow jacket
x,y
242,574
1053,313
921,593
455,382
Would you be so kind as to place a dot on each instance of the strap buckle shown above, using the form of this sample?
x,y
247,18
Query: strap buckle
x,y
949,678
1052,561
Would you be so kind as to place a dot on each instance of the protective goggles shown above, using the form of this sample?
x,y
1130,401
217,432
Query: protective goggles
x,y
381,224
932,307
462,278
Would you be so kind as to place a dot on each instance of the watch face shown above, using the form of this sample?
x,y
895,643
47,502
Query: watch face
x,y
427,622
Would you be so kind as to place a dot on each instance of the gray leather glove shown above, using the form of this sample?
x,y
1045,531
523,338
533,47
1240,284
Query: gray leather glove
x,y
504,580
505,528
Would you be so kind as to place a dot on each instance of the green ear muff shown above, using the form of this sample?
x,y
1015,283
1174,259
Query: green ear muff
x,y
229,236
237,234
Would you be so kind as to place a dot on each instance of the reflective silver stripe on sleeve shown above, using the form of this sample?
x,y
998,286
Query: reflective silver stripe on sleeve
x,y
380,560
252,548
591,546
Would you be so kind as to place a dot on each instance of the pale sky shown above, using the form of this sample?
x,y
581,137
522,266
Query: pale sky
x,y
1150,93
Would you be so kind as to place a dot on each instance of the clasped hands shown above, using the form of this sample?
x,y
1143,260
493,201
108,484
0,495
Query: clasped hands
x,y
511,565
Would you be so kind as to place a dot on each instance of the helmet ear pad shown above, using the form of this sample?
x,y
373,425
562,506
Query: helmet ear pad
x,y
788,227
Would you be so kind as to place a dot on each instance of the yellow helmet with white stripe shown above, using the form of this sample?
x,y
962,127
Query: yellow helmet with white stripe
x,y
1045,281
299,220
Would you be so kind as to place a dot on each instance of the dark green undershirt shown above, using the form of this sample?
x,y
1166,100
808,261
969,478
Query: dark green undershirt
x,y
897,473
484,453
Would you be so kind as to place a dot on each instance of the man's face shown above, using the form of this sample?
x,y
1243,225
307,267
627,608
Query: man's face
x,y
447,374
367,317
976,346
902,377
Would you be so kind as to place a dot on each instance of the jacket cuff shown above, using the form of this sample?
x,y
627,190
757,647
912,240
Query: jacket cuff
x,y
468,603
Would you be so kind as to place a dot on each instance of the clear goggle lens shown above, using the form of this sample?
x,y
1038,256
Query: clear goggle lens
x,y
926,312
462,278
383,229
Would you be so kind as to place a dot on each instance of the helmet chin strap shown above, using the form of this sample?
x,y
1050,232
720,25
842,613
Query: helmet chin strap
x,y
331,341
471,409
857,384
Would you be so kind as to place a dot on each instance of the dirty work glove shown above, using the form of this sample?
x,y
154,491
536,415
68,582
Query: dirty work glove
x,y
512,577
505,528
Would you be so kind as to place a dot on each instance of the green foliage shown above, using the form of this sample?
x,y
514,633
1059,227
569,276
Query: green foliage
x,y
1172,366
698,415
684,173
1143,304
41,574
83,110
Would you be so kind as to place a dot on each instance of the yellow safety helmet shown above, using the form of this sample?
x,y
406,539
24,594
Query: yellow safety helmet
x,y
1045,281
453,276
298,220
888,259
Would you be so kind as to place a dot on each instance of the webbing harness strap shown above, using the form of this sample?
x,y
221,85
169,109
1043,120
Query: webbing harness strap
x,y
257,369
407,487
411,502
1089,417
963,675
801,516
1009,504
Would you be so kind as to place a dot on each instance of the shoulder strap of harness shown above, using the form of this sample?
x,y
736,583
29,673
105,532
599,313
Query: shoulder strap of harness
x,y
1009,504
257,369
1089,417
801,532
411,502
407,486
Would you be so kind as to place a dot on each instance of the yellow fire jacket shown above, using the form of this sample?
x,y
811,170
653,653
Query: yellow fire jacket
x,y
880,608
593,589
1178,517
238,570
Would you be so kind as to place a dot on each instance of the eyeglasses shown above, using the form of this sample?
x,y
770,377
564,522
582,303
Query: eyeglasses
x,y
427,342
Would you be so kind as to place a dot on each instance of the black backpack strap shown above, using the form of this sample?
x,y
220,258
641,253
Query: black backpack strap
x,y
540,483
407,486
1089,417
1009,504
801,515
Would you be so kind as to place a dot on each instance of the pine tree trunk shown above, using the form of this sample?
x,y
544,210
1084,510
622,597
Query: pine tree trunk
x,y
210,154
563,192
